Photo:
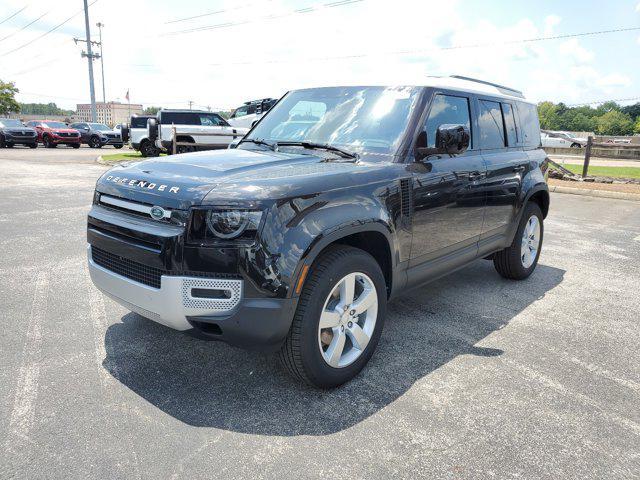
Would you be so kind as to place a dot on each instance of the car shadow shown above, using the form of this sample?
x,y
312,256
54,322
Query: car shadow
x,y
210,384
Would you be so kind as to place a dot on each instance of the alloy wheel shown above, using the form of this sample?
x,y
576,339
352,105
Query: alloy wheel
x,y
348,320
530,242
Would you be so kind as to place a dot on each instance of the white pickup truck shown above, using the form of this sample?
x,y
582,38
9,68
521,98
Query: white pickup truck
x,y
202,130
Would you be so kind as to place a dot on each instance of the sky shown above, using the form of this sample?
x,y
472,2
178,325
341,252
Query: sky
x,y
239,50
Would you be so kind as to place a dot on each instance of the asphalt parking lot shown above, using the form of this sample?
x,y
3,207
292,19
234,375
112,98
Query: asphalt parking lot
x,y
475,376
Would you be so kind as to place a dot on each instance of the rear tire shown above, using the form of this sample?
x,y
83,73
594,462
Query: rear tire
x,y
118,147
9,145
576,145
519,260
306,353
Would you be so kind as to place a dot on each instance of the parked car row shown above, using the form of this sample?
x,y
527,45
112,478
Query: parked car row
x,y
52,133
194,129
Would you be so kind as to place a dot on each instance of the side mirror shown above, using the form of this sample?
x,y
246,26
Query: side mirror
x,y
452,139
124,132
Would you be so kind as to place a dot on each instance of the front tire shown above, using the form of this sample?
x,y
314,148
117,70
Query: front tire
x,y
519,260
46,141
339,318
33,145
576,145
76,145
117,147
94,142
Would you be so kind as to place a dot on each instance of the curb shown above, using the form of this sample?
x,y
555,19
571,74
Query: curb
x,y
595,193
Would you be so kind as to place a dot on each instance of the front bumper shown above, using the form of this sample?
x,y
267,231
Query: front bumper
x,y
254,323
65,140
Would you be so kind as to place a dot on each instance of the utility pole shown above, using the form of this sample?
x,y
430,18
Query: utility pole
x,y
190,104
90,57
104,94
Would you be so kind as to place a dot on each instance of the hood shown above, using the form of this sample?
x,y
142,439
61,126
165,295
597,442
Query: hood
x,y
19,130
180,181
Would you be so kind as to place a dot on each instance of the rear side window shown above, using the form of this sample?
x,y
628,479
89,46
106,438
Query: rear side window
x,y
139,122
510,124
211,120
447,109
240,112
179,118
491,125
529,124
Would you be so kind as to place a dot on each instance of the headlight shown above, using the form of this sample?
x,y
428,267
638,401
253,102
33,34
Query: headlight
x,y
228,224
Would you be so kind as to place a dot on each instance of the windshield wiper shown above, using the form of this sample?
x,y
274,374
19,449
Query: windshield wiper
x,y
257,141
320,146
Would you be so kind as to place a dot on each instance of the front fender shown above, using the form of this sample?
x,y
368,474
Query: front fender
x,y
296,230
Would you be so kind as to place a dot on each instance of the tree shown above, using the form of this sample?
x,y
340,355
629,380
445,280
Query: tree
x,y
43,109
151,110
8,102
548,114
636,127
581,123
632,110
614,123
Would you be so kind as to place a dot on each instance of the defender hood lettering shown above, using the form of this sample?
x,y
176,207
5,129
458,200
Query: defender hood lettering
x,y
181,181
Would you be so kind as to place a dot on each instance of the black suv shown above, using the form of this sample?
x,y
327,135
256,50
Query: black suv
x,y
336,201
97,135
14,132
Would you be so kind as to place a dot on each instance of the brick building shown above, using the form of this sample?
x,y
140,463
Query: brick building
x,y
110,113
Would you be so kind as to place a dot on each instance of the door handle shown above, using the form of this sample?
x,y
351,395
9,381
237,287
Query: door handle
x,y
519,168
476,176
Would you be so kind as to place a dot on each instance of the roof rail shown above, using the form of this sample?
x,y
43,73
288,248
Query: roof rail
x,y
498,86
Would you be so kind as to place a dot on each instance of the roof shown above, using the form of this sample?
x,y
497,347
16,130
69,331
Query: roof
x,y
182,110
467,84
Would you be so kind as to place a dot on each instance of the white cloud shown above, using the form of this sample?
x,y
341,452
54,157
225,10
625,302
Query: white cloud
x,y
573,50
550,22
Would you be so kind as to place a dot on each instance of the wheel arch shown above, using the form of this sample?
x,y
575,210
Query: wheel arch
x,y
540,196
373,237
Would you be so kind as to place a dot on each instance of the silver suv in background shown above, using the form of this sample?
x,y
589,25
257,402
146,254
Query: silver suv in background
x,y
246,115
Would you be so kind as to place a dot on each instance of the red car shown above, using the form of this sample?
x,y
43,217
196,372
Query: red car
x,y
52,133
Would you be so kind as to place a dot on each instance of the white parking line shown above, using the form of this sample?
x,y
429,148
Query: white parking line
x,y
23,412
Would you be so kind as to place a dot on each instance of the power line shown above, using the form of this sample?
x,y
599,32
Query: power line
x,y
47,32
339,3
414,51
26,26
632,99
11,16
215,12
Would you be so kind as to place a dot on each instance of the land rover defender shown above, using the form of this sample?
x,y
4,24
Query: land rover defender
x,y
336,201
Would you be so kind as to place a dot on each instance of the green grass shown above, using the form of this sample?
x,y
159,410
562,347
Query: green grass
x,y
622,172
122,157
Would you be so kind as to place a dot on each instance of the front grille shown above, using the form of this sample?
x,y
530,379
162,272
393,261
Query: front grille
x,y
68,134
127,268
112,135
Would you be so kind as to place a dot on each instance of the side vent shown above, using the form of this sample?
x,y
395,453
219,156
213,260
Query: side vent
x,y
406,201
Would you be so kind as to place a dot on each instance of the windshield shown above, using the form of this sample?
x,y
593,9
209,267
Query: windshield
x,y
99,126
358,119
54,125
10,122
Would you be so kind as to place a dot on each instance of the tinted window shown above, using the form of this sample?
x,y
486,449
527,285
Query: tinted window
x,y
211,120
371,119
510,124
529,124
179,118
447,109
139,122
240,112
491,126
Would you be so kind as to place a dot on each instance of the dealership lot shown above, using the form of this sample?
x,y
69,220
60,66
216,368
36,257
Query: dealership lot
x,y
475,376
